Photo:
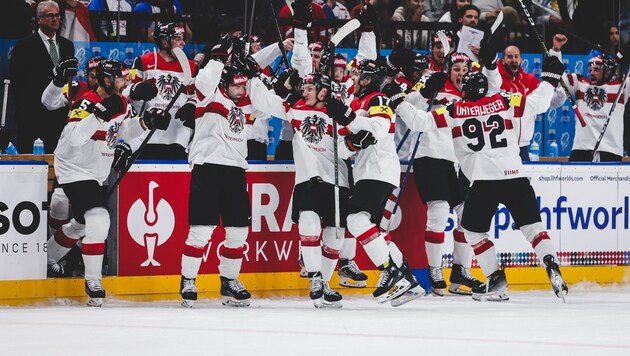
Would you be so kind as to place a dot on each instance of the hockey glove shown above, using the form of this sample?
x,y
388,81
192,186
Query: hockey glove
x,y
338,111
157,119
360,140
143,91
368,18
186,114
302,14
122,156
552,70
399,58
394,93
251,67
488,52
64,71
109,108
433,84
283,86
222,50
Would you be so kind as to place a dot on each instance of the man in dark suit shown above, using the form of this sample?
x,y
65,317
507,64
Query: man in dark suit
x,y
30,70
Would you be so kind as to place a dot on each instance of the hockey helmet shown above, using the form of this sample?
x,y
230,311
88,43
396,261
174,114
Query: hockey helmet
x,y
93,62
608,65
318,79
458,57
166,31
315,47
233,75
419,63
475,85
435,39
112,69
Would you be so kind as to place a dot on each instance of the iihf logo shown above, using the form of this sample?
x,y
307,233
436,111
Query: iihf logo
x,y
114,53
313,128
525,65
551,117
151,225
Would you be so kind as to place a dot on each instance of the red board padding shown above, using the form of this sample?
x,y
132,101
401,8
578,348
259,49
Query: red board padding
x,y
151,241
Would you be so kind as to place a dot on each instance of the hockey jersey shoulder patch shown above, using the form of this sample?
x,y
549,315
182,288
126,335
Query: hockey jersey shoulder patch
x,y
81,109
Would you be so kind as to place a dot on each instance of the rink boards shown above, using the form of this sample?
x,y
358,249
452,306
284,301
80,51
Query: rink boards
x,y
585,208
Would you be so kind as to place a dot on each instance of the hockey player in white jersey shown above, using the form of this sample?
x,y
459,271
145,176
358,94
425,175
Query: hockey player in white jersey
x,y
313,194
218,187
487,149
158,76
594,97
86,152
376,174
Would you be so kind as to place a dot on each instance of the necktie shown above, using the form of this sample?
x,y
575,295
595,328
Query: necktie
x,y
54,55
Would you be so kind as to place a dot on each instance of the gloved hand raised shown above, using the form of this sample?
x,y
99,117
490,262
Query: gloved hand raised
x,y
122,156
552,70
394,93
155,118
143,91
399,58
65,70
433,84
338,111
488,52
109,108
186,114
302,14
360,140
368,18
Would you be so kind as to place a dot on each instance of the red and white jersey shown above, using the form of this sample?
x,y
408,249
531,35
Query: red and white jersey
x,y
222,127
343,90
168,78
482,131
313,143
379,161
595,102
86,147
434,66
54,98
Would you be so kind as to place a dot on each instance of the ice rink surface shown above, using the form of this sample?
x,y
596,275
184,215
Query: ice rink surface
x,y
595,321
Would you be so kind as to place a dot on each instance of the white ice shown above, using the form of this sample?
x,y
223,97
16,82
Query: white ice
x,y
595,321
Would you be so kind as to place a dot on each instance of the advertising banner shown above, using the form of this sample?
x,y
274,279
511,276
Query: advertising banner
x,y
23,225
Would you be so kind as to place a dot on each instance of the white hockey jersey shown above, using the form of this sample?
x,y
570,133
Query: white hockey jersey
x,y
168,78
482,132
86,147
222,127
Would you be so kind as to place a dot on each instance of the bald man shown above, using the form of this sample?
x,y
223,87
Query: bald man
x,y
515,80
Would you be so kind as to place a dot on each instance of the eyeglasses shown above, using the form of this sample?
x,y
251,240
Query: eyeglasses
x,y
52,16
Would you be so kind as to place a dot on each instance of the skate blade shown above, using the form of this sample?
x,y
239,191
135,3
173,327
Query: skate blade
x,y
187,303
412,294
231,302
559,287
303,273
456,289
500,296
350,283
323,304
437,292
95,302
400,288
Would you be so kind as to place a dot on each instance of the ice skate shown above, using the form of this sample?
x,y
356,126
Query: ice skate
x,y
332,299
438,284
234,293
555,277
54,270
350,275
303,272
461,276
495,288
188,291
95,292
387,287
316,288
414,291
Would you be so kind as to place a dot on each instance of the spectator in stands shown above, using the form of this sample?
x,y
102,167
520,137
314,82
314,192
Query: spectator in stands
x,y
15,19
490,9
75,21
613,44
110,30
334,10
30,70
380,7
157,7
317,11
453,11
412,11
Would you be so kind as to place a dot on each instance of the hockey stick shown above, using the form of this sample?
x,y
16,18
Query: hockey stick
x,y
612,109
183,62
532,25
4,103
344,31
335,153
280,38
447,51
